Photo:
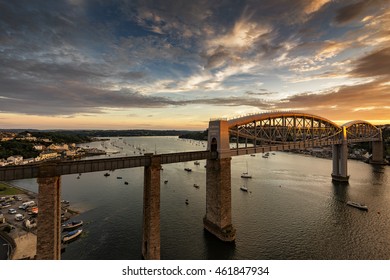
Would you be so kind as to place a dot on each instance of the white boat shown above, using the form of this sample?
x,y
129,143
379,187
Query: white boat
x,y
71,235
357,205
246,174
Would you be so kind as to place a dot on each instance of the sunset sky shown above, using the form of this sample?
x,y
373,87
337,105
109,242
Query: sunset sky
x,y
170,64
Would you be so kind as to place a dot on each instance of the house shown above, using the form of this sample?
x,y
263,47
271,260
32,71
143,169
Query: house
x,y
58,147
15,159
39,147
48,154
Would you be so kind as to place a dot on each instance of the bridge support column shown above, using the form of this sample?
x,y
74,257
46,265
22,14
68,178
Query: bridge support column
x,y
218,219
340,157
378,151
49,218
151,210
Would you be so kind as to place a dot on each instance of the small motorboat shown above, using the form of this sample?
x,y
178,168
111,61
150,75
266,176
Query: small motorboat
x,y
106,174
119,177
244,189
126,183
357,205
72,225
187,201
196,186
166,182
196,163
71,235
188,169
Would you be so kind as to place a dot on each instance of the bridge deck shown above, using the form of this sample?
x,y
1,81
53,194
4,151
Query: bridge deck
x,y
67,167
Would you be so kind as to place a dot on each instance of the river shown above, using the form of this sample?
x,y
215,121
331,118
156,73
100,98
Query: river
x,y
292,209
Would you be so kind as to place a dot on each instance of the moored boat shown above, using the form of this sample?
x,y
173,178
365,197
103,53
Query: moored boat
x,y
357,205
72,225
71,235
196,186
246,175
188,169
244,188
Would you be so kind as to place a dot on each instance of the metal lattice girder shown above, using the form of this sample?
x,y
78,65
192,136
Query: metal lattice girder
x,y
362,131
287,127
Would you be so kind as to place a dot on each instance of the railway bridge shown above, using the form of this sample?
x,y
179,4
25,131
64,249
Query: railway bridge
x,y
258,133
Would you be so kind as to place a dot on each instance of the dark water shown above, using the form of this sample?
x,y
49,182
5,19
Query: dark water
x,y
292,209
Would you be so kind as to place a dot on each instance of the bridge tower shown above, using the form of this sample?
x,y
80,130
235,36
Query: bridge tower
x,y
218,218
49,218
151,209
340,157
377,151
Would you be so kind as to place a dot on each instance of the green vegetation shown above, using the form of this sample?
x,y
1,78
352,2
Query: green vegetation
x,y
63,136
8,190
17,147
195,135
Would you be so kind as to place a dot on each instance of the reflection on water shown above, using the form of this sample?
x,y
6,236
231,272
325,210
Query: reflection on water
x,y
292,209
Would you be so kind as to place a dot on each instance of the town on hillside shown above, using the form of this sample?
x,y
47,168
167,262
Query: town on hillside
x,y
26,148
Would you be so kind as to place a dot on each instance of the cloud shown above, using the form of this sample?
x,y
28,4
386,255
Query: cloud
x,y
356,10
314,6
340,102
374,64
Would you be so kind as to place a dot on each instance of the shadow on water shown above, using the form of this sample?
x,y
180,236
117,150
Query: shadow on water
x,y
217,249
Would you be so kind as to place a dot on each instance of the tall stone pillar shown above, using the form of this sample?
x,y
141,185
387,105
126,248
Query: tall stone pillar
x,y
378,151
218,218
49,218
151,210
340,158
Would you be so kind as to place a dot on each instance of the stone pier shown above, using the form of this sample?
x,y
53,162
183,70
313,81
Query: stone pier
x,y
340,158
378,151
151,210
218,218
49,218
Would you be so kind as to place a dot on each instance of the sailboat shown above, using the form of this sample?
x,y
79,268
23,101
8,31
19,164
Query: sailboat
x,y
246,174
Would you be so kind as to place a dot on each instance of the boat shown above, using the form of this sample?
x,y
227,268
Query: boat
x,y
196,186
357,205
196,163
244,188
71,235
253,155
106,174
119,177
72,225
246,174
126,183
188,169
187,201
166,181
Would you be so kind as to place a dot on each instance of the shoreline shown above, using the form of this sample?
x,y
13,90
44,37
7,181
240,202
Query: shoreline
x,y
23,240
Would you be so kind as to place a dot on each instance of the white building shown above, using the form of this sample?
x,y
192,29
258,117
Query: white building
x,y
15,160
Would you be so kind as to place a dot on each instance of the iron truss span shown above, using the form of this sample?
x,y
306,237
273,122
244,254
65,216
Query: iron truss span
x,y
281,128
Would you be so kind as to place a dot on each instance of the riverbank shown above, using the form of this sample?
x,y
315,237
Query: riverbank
x,y
21,235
